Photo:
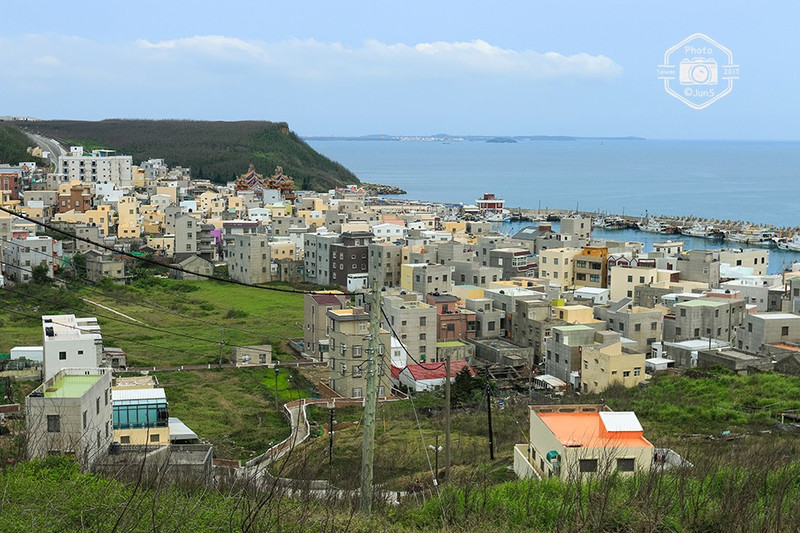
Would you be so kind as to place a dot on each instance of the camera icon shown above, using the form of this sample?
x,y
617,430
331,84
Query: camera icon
x,y
698,71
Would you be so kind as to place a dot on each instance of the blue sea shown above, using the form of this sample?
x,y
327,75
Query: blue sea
x,y
757,182
729,180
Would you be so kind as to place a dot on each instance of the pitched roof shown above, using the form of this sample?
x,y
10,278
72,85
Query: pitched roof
x,y
437,370
326,299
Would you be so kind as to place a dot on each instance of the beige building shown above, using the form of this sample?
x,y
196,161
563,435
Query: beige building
x,y
248,259
573,441
575,314
755,258
557,265
348,330
605,366
624,280
128,226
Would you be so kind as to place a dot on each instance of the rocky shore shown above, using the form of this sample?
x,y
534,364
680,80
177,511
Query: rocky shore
x,y
382,190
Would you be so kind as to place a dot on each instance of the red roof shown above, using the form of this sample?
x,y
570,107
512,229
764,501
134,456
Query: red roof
x,y
437,370
395,372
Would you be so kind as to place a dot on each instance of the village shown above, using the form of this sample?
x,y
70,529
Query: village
x,y
543,312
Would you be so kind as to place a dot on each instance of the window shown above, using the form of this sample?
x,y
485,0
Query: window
x,y
62,356
422,336
637,327
750,327
784,330
450,327
85,414
155,437
653,326
587,465
357,350
125,439
54,423
626,374
97,406
626,465
356,371
490,326
357,392
594,278
342,369
630,279
677,331
637,371
683,312
422,321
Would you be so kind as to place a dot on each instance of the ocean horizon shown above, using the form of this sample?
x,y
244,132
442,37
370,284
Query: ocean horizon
x,y
749,181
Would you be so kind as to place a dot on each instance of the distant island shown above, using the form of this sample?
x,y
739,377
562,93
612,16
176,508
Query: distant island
x,y
447,138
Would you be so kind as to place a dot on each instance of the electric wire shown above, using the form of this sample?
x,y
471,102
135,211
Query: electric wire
x,y
50,227
89,283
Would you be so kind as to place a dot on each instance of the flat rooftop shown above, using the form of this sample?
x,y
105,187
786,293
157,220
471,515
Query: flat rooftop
x,y
778,316
590,430
702,302
71,386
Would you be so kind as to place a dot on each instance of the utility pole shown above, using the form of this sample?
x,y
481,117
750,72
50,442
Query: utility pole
x,y
277,371
330,442
221,344
447,417
489,414
370,400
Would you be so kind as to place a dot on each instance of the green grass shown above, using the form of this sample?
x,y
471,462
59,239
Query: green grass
x,y
231,408
192,315
708,402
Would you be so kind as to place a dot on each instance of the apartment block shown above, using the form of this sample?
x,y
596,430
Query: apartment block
x,y
101,166
591,267
348,342
557,265
316,322
414,323
249,259
349,256
704,317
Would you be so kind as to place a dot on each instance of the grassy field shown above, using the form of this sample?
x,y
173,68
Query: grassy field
x,y
234,409
191,317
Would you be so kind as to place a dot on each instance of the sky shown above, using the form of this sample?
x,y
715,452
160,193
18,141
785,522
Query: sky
x,y
522,67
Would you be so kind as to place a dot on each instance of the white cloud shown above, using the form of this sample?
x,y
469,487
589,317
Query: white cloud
x,y
375,59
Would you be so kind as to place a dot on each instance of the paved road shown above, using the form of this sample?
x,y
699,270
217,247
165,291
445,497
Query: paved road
x,y
50,145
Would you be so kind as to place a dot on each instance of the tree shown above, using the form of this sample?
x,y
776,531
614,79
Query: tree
x,y
464,387
39,274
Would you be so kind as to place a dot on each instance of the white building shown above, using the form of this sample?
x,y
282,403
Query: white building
x,y
22,254
70,413
70,342
101,166
388,232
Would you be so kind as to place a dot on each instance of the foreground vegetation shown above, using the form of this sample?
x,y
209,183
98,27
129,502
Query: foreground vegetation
x,y
51,495
219,151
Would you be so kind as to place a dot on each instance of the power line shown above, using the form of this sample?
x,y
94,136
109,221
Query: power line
x,y
153,262
153,328
140,303
105,335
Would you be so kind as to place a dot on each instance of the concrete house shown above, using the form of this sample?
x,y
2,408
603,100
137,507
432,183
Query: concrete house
x,y
640,324
573,441
316,322
609,365
70,413
349,256
761,329
452,322
70,342
249,259
704,317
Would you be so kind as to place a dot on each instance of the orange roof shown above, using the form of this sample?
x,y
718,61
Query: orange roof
x,y
586,430
787,347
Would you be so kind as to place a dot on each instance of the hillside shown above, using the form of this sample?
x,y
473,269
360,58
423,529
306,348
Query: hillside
x,y
14,146
213,150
